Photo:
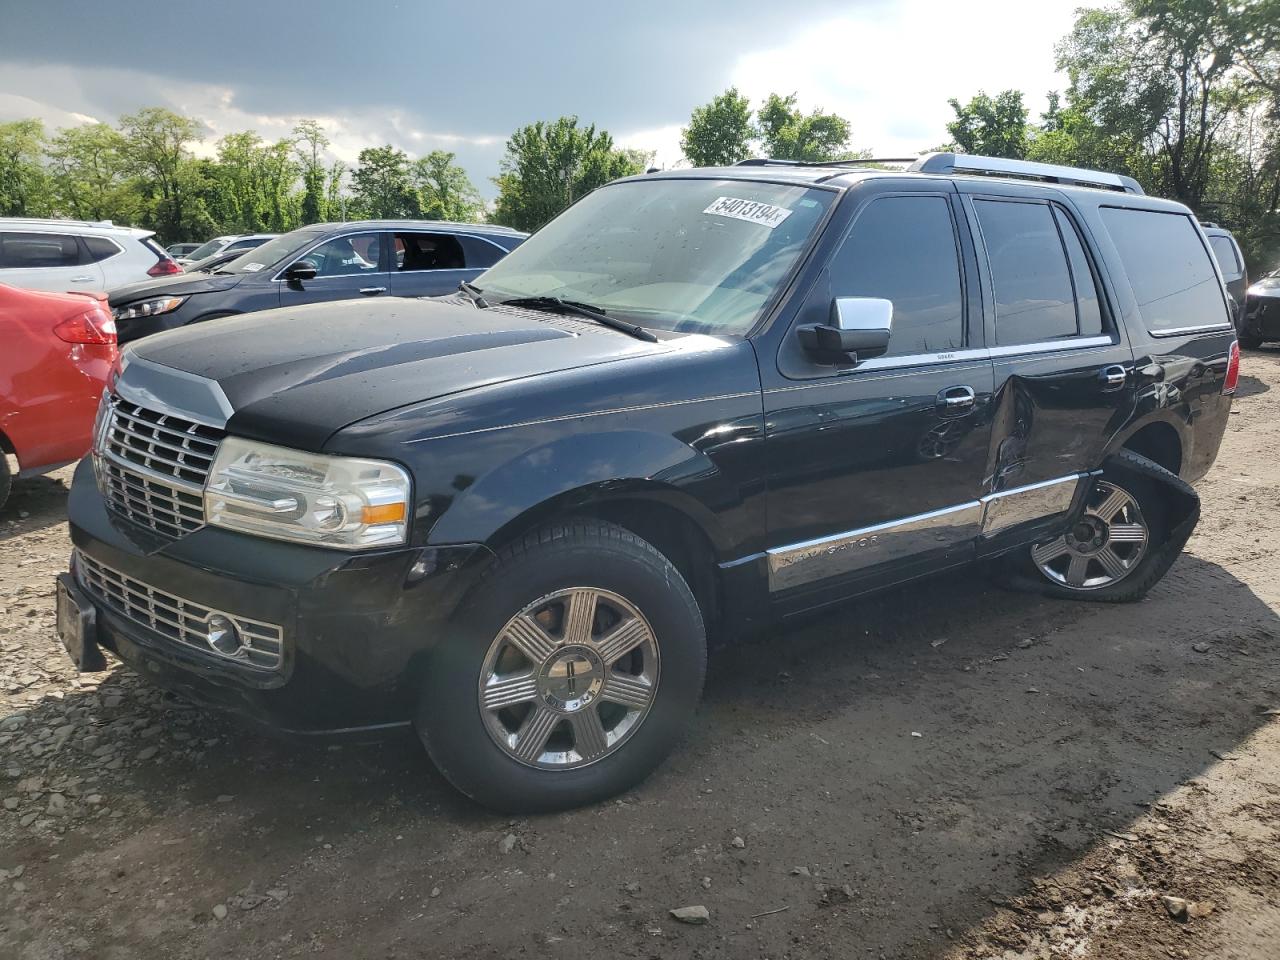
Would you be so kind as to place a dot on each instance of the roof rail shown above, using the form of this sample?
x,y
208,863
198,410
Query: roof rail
x,y
1024,169
1210,224
859,162
59,221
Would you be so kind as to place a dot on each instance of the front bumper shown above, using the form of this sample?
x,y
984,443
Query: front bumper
x,y
355,630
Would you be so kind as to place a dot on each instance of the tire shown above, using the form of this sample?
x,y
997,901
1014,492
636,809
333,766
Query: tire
x,y
506,705
1047,568
1248,341
6,479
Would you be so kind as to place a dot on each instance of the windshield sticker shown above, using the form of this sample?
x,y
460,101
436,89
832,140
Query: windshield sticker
x,y
252,267
752,211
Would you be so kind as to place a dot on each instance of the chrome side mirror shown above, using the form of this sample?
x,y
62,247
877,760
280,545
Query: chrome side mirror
x,y
858,330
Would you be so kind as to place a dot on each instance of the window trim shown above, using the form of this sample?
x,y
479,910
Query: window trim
x,y
1229,324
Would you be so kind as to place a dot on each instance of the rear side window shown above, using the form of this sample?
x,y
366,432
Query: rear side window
x,y
100,248
1169,269
1034,297
429,251
28,250
904,249
1225,251
1088,308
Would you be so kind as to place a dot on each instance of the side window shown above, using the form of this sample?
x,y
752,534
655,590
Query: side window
x,y
429,251
1225,251
1168,268
1088,309
28,250
100,248
1029,274
346,256
904,249
480,253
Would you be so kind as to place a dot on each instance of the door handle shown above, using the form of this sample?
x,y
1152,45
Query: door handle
x,y
372,291
956,401
1113,377
82,279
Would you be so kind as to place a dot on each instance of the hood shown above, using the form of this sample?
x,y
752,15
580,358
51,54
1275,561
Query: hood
x,y
295,376
179,284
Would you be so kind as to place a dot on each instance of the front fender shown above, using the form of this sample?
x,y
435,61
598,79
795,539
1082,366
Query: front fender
x,y
576,469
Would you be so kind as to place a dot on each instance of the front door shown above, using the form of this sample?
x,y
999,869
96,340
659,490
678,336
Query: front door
x,y
350,266
876,469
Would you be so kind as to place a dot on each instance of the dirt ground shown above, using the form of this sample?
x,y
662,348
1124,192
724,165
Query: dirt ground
x,y
946,772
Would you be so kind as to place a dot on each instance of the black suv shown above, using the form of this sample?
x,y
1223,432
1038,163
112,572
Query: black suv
x,y
328,261
696,403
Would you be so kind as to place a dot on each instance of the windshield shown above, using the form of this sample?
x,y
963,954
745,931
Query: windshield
x,y
208,249
272,252
698,256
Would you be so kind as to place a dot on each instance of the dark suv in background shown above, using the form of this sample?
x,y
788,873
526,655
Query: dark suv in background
x,y
696,403
332,261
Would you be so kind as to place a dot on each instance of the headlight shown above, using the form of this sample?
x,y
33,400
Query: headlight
x,y
341,502
148,308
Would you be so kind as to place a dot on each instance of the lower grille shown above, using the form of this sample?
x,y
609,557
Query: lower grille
x,y
181,620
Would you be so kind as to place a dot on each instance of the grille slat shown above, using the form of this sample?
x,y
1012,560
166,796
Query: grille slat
x,y
153,467
176,618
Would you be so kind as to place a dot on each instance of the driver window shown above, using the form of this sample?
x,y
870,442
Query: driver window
x,y
346,256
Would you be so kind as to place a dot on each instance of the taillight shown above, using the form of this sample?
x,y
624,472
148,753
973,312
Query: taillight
x,y
1233,370
164,268
90,327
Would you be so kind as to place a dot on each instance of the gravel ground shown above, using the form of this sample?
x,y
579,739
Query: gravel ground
x,y
945,772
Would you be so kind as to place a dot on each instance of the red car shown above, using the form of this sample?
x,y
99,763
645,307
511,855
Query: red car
x,y
56,350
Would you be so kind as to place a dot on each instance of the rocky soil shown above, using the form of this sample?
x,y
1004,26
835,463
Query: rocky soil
x,y
945,772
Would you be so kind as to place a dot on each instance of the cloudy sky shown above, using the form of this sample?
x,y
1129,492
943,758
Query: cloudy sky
x,y
462,76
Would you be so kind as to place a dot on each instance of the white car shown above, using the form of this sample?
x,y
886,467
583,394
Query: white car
x,y
78,255
220,246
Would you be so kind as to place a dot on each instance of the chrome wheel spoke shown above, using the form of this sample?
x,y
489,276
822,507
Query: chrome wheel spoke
x,y
622,640
1116,501
509,691
1127,533
534,732
1048,552
628,690
1112,563
526,635
589,738
1077,570
579,614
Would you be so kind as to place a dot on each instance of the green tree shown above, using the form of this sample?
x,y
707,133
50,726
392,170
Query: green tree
x,y
311,145
549,165
335,194
991,127
24,184
157,150
89,170
789,134
382,184
719,133
444,189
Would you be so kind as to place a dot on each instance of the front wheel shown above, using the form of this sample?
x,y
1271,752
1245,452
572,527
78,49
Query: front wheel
x,y
571,672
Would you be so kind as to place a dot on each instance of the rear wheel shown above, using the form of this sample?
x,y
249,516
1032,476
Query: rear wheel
x,y
6,479
1248,340
573,670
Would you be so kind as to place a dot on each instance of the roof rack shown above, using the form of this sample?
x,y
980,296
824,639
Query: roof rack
x,y
860,162
1024,170
59,221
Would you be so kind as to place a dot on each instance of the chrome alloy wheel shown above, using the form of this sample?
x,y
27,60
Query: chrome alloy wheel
x,y
569,678
1103,547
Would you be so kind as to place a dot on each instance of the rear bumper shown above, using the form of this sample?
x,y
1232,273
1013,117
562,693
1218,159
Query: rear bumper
x,y
355,629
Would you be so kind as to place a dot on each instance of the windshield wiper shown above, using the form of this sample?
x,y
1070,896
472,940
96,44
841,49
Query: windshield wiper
x,y
473,294
556,305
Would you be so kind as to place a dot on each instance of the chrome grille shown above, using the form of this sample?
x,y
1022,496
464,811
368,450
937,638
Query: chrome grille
x,y
175,618
153,466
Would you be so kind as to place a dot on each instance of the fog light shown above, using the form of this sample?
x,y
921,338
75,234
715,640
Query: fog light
x,y
222,635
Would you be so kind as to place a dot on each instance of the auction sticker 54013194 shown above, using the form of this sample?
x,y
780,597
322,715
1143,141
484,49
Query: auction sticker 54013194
x,y
753,211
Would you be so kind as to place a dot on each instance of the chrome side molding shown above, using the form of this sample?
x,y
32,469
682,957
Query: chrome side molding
x,y
809,561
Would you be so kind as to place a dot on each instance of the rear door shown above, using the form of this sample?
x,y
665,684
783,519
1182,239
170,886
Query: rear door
x,y
348,266
1064,371
47,261
432,264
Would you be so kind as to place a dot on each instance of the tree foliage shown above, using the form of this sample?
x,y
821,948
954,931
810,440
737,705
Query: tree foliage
x,y
549,165
24,183
789,134
991,127
445,192
720,132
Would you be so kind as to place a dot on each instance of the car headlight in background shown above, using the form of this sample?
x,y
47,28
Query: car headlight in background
x,y
343,502
148,308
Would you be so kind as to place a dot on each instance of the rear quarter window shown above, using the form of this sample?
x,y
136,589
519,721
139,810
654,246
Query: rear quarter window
x,y
1225,251
1168,268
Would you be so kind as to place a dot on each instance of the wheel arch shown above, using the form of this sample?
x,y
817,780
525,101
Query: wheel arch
x,y
1160,439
